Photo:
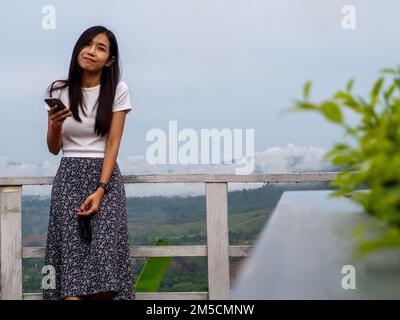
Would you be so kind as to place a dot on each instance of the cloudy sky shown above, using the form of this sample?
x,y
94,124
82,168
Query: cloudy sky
x,y
205,64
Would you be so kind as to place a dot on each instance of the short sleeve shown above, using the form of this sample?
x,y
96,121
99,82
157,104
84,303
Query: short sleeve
x,y
122,99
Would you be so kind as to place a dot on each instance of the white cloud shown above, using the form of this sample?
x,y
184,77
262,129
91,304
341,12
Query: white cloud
x,y
291,159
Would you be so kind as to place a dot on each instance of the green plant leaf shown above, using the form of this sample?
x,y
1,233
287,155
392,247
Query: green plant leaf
x,y
307,106
377,87
153,272
389,71
332,111
306,90
349,85
389,92
397,82
348,100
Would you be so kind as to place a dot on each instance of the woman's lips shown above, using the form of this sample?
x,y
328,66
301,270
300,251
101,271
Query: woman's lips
x,y
89,60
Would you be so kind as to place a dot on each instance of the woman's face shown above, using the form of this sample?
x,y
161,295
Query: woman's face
x,y
94,56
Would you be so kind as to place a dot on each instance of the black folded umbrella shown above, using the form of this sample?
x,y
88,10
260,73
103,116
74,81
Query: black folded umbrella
x,y
85,228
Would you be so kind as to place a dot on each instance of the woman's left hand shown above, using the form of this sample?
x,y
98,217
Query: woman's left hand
x,y
94,201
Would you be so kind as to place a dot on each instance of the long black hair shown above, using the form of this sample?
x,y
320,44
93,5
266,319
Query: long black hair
x,y
110,77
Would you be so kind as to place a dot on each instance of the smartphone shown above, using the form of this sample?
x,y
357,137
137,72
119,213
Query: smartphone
x,y
55,101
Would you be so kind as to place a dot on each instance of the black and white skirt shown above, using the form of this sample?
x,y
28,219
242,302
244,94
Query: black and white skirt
x,y
81,267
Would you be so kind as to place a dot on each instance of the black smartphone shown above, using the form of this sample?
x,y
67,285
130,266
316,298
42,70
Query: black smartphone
x,y
55,101
85,228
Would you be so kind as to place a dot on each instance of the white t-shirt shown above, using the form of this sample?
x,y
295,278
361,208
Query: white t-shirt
x,y
79,138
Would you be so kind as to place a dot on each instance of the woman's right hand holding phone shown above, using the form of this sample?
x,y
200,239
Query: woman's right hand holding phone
x,y
57,118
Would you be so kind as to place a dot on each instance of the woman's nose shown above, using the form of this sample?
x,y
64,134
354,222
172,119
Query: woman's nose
x,y
92,49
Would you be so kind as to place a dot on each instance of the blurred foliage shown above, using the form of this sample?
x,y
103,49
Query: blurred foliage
x,y
372,158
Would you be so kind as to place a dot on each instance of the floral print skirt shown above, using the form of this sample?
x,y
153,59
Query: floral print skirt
x,y
75,266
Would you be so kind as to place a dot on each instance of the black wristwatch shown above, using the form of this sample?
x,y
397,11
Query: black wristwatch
x,y
103,185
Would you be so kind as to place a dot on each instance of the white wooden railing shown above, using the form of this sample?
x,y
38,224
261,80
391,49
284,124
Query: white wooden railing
x,y
217,249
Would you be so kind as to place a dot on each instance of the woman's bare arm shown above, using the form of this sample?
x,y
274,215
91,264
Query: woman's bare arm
x,y
54,127
54,139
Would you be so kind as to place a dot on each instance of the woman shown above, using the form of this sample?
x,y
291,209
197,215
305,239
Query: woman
x,y
87,242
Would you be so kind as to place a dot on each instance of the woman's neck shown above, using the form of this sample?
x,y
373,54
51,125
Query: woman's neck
x,y
91,80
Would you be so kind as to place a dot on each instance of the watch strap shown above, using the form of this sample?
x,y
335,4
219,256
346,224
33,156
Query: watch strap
x,y
103,185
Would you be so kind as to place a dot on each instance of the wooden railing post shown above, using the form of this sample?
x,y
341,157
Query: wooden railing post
x,y
10,242
217,240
